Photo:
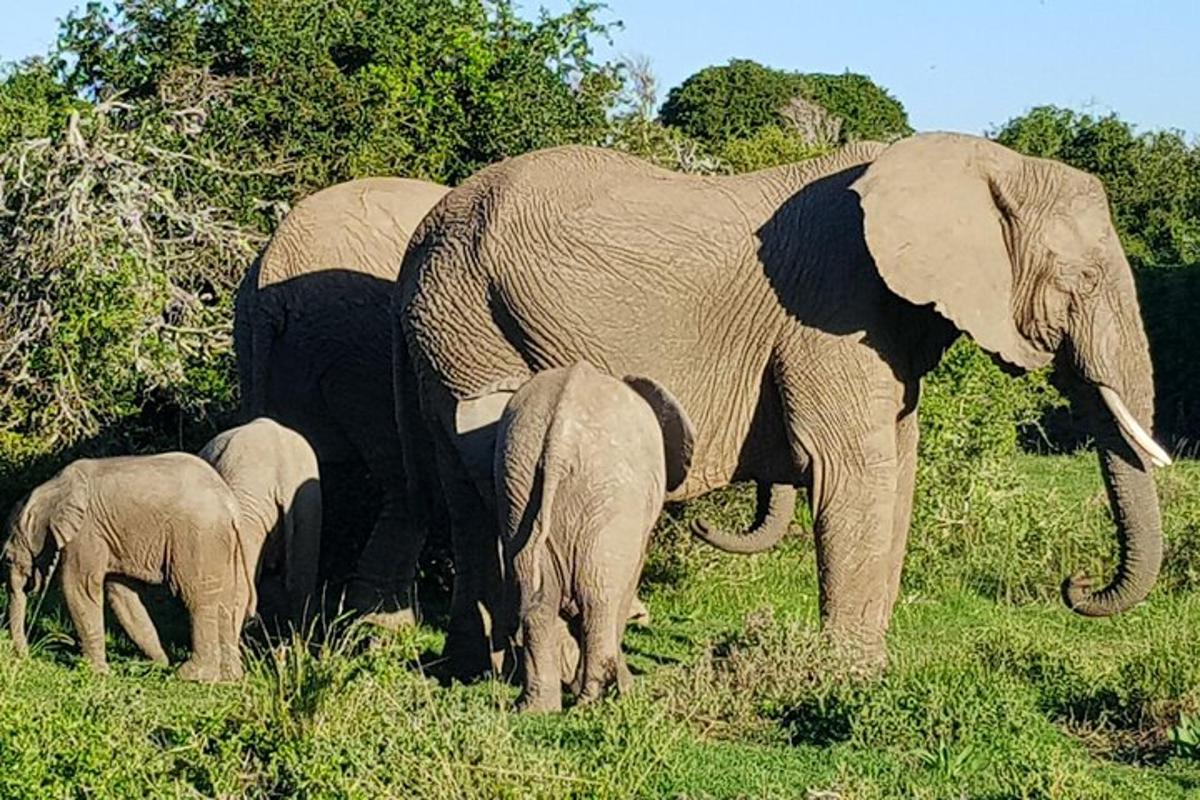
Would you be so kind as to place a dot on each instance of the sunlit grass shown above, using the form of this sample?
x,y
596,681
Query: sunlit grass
x,y
994,689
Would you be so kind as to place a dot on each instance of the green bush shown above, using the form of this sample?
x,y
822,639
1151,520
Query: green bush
x,y
128,217
425,89
768,147
32,102
739,99
1169,298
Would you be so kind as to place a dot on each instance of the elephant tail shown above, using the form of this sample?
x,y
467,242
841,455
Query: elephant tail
x,y
776,505
243,570
529,517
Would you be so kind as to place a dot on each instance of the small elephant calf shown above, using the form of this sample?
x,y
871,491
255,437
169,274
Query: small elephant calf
x,y
582,463
272,471
119,521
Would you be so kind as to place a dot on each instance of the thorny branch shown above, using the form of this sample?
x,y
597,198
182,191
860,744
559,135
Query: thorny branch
x,y
107,207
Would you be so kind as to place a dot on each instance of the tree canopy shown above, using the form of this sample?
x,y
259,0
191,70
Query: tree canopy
x,y
739,99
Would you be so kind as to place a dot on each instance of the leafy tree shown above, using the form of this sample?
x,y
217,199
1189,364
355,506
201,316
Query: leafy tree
x,y
741,98
432,88
1152,179
145,162
32,102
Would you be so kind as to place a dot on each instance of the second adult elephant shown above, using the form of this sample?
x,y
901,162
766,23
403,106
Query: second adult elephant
x,y
793,313
313,339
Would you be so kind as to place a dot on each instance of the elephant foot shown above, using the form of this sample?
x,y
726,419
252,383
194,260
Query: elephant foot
x,y
379,607
858,654
199,672
98,667
231,671
539,703
468,656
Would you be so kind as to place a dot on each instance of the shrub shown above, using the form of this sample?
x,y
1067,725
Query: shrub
x,y
115,282
32,102
126,218
739,99
769,147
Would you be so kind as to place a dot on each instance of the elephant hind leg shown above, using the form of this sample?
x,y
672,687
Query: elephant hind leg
x,y
229,636
207,621
542,631
477,594
602,663
131,613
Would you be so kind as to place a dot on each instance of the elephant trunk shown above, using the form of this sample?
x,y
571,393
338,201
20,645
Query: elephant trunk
x,y
17,578
776,505
1122,380
1134,502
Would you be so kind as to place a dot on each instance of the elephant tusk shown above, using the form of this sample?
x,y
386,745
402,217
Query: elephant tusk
x,y
1133,428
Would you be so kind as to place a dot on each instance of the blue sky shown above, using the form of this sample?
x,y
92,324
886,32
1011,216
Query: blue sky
x,y
965,65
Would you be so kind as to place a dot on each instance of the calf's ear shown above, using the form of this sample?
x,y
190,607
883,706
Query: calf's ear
x,y
678,434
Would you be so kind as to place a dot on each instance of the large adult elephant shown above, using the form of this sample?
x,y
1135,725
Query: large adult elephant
x,y
792,312
313,340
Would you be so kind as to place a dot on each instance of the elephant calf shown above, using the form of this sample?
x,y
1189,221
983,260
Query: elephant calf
x,y
582,463
118,521
272,471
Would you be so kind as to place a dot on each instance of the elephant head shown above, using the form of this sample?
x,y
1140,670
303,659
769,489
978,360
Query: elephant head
x,y
1021,254
42,522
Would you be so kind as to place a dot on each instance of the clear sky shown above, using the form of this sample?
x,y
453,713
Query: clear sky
x,y
964,65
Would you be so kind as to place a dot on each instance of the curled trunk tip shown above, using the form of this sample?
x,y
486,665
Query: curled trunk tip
x,y
1134,503
776,505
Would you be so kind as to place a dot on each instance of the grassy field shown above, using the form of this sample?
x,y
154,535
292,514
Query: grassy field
x,y
994,690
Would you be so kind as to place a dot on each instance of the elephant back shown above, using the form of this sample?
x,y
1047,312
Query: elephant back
x,y
359,226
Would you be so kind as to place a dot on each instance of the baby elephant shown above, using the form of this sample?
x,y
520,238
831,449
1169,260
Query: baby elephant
x,y
582,463
273,472
118,521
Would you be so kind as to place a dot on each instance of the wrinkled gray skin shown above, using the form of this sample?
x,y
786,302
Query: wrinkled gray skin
x,y
117,523
793,312
273,473
313,341
581,467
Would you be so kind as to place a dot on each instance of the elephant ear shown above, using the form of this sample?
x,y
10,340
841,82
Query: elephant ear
x,y
935,219
70,506
679,436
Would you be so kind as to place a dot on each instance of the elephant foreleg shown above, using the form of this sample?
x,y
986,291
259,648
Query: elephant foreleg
x,y
83,591
854,526
131,614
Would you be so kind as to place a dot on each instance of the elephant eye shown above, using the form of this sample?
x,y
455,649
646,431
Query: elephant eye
x,y
1088,281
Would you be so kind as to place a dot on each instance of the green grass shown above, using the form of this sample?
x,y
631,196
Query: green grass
x,y
994,690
